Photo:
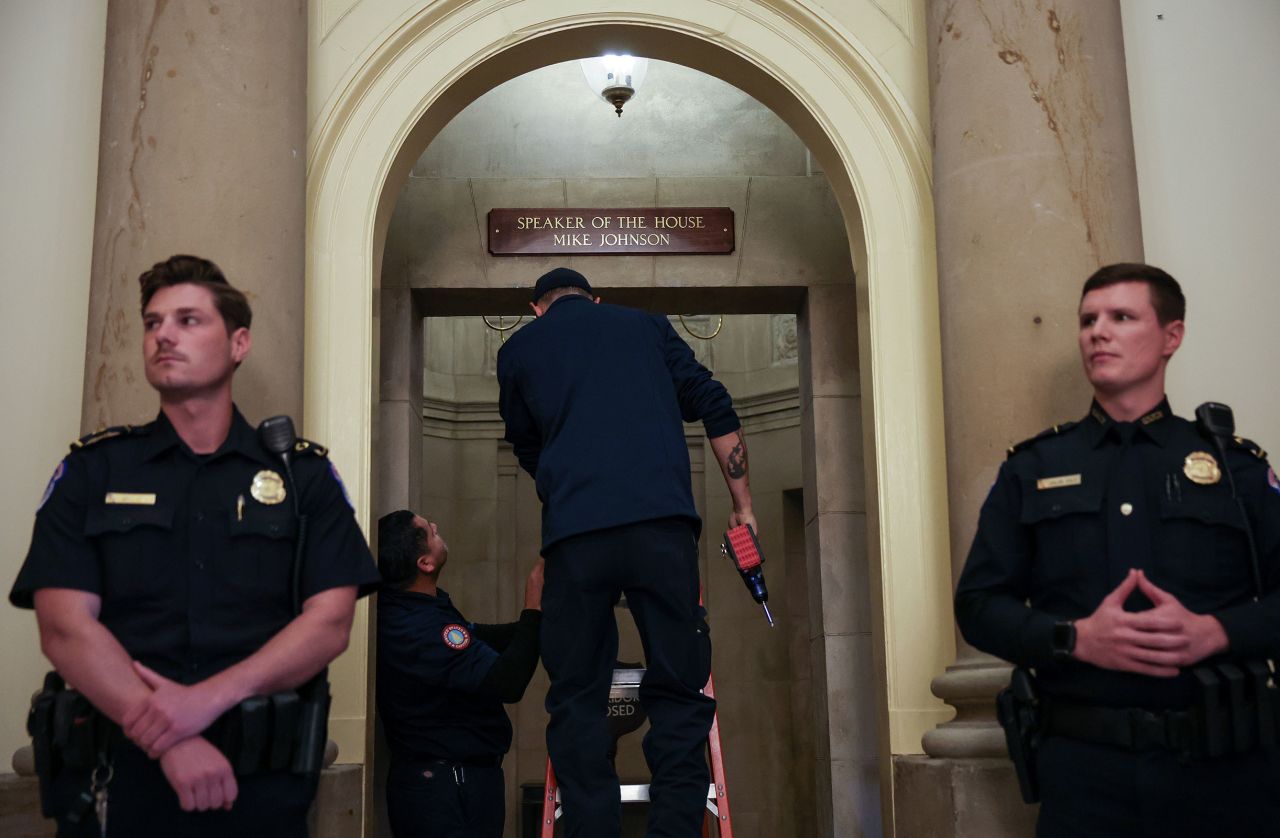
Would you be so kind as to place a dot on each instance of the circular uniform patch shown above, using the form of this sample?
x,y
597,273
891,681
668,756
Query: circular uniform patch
x,y
456,637
62,469
1272,481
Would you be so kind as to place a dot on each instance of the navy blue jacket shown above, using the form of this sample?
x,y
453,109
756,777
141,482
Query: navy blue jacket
x,y
593,397
431,668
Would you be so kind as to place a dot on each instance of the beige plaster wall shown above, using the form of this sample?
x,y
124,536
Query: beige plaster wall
x,y
1205,121
50,98
894,31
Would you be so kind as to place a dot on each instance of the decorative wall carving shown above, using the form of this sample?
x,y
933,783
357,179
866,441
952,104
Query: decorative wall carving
x,y
785,351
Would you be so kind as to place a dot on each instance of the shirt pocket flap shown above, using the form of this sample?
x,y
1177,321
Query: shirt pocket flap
x,y
1215,510
265,521
1050,504
113,518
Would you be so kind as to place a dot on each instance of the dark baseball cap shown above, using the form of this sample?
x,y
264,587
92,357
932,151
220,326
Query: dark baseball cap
x,y
559,278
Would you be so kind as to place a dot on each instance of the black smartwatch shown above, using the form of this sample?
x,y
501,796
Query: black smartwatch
x,y
1064,639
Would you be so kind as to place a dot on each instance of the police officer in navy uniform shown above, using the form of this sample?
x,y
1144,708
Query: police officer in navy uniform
x,y
441,685
593,397
160,572
1111,557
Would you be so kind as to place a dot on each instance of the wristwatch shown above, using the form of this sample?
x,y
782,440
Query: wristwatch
x,y
1064,639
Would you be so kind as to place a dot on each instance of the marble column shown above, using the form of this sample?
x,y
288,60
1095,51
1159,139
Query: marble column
x,y
202,151
1035,187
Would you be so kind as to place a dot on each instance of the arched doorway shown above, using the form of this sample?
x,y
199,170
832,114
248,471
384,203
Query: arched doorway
x,y
826,86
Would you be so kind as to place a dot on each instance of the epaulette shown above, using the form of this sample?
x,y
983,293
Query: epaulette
x,y
100,435
1249,445
1048,432
306,446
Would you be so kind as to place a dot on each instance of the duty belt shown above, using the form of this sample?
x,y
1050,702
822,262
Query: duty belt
x,y
1190,733
1131,728
285,731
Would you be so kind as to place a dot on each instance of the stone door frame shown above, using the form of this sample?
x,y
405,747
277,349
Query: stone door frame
x,y
831,91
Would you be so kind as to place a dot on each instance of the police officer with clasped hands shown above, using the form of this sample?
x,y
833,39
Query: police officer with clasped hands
x,y
162,573
1113,557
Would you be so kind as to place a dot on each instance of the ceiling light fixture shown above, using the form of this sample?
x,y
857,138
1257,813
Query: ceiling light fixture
x,y
615,78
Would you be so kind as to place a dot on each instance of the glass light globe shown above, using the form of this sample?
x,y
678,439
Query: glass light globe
x,y
612,71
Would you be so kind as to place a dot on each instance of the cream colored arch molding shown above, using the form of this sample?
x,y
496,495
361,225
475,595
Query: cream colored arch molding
x,y
419,68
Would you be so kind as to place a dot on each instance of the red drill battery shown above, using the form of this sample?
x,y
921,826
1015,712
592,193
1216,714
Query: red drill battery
x,y
743,549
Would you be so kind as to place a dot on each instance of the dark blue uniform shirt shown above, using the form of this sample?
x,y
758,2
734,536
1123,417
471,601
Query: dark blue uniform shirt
x,y
430,668
1074,509
593,397
191,554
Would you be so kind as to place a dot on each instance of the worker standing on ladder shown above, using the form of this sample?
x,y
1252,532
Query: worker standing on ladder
x,y
593,397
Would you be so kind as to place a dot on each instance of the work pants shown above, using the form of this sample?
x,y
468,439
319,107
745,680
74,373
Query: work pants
x,y
440,799
1100,791
655,563
142,804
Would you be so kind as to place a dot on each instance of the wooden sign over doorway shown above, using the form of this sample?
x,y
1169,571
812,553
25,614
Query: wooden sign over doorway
x,y
602,232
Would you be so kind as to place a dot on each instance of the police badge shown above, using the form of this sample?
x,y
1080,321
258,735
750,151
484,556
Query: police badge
x,y
1200,467
267,487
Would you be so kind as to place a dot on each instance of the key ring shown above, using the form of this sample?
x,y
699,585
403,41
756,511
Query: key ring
x,y
95,782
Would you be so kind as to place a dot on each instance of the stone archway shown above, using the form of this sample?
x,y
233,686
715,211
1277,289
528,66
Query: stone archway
x,y
828,88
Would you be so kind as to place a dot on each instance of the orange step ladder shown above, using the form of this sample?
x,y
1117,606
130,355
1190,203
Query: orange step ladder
x,y
717,791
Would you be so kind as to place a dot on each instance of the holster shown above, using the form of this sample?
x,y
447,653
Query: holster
x,y
40,728
67,733
1018,711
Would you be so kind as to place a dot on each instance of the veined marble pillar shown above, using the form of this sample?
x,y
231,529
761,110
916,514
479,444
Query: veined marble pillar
x,y
202,151
1035,187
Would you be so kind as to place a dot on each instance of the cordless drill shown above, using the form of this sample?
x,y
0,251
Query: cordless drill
x,y
743,549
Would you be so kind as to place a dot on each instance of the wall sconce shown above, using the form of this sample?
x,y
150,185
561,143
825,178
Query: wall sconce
x,y
615,78
708,336
502,328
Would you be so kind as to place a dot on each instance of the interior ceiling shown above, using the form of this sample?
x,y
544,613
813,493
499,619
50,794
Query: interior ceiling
x,y
548,123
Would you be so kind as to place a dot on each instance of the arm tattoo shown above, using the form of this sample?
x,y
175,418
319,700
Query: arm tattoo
x,y
737,465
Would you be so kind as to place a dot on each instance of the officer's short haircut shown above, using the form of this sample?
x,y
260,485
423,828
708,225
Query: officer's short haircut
x,y
563,291
400,544
192,270
1166,294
